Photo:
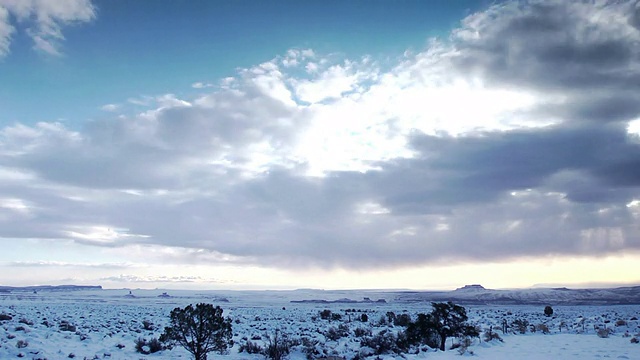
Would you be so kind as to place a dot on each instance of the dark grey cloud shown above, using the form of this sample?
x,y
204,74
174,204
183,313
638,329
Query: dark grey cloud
x,y
572,49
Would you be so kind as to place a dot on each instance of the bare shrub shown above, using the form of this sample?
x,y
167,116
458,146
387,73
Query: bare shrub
x,y
22,344
310,348
520,325
490,335
148,347
463,346
66,326
250,347
385,342
278,346
543,328
361,332
604,332
336,333
26,322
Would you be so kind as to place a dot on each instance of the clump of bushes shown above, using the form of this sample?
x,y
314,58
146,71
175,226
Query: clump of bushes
x,y
66,326
310,348
385,342
361,332
543,328
278,346
325,314
22,344
604,332
402,320
148,347
463,346
250,347
520,325
336,333
26,322
5,317
490,335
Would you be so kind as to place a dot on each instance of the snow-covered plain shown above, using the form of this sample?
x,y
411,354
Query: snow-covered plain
x,y
108,322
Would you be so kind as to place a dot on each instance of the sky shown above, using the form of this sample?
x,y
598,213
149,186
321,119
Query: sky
x,y
319,144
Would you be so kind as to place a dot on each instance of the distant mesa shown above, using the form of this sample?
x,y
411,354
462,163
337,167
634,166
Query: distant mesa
x,y
130,295
477,294
164,295
474,287
35,289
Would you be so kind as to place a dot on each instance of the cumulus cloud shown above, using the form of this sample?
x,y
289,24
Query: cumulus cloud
x,y
43,21
510,139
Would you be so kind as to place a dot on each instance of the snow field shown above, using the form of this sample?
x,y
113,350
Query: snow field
x,y
106,327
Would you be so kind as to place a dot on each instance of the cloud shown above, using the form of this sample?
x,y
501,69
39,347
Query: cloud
x,y
200,85
110,107
6,30
44,20
580,52
161,279
484,147
53,264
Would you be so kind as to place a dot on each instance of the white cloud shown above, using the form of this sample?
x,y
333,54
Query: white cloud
x,y
110,107
330,84
44,20
200,85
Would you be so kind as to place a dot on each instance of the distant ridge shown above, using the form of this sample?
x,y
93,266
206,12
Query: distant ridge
x,y
477,294
49,288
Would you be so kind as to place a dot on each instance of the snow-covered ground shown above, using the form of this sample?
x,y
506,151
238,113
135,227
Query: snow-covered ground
x,y
106,324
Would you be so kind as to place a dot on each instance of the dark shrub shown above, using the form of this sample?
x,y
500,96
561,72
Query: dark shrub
x,y
325,314
520,325
385,342
148,347
66,326
26,322
278,346
336,333
250,347
402,320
